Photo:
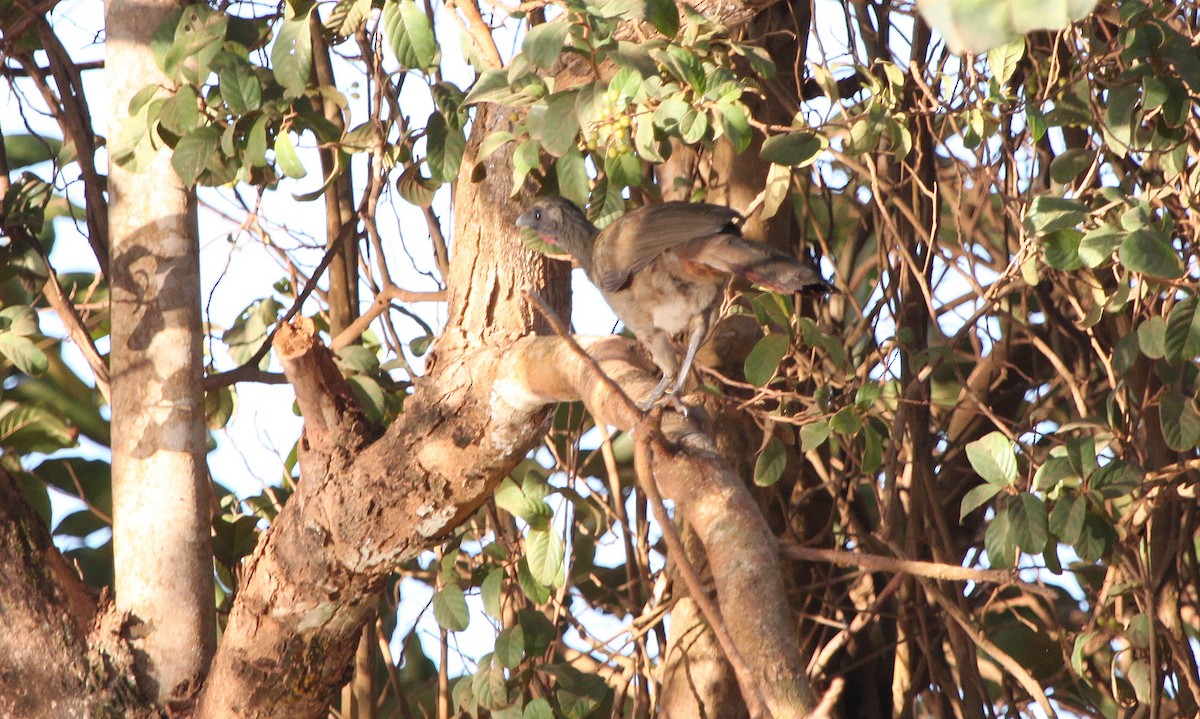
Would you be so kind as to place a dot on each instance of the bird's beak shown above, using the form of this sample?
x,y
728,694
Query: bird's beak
x,y
525,220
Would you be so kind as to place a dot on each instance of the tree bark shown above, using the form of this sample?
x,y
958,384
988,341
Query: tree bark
x,y
161,520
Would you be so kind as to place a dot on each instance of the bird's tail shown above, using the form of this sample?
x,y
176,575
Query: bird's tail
x,y
760,265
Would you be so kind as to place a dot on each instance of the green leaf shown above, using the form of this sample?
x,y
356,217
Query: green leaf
x,y
20,320
491,592
1152,337
1182,340
846,422
1047,214
993,456
510,646
1096,539
1030,522
1000,539
813,435
23,353
796,149
1071,164
1052,472
488,683
450,608
1062,249
512,499
772,461
573,182
537,592
543,43
763,361
444,148
1179,418
1003,59
1098,245
1117,479
179,115
735,124
538,709
1066,519
291,56
23,150
1149,252
558,127
415,188
285,156
975,27
193,153
240,88
663,15
544,550
976,498
409,34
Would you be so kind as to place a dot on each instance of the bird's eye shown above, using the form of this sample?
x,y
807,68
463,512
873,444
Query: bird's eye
x,y
537,214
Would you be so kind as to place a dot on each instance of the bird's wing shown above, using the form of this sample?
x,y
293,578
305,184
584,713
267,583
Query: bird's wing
x,y
637,237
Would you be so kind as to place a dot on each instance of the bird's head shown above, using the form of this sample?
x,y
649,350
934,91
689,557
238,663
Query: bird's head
x,y
561,225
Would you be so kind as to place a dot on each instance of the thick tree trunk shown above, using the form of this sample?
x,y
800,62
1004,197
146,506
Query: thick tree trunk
x,y
161,516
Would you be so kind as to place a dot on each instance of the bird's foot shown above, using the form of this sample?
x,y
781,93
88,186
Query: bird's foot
x,y
665,398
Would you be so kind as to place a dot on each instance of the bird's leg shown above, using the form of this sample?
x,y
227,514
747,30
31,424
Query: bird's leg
x,y
662,351
699,331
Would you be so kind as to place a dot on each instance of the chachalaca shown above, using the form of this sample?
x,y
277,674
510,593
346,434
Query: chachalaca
x,y
663,270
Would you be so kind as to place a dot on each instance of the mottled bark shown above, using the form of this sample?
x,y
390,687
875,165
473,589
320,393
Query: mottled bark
x,y
161,516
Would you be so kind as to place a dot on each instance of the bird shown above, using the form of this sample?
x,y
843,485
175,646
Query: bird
x,y
663,269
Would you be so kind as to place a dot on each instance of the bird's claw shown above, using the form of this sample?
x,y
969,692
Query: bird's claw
x,y
671,398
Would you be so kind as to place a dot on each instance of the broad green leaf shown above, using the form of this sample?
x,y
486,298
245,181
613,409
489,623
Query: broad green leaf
x,y
415,188
450,608
410,36
1179,418
444,148
543,43
1152,337
763,361
285,156
240,88
544,550
1052,472
735,124
291,56
25,429
796,149
1003,59
23,150
558,127
539,631
1098,245
846,422
976,498
193,153
1096,538
491,592
1000,539
1062,249
771,463
663,15
538,709
994,457
1071,164
971,26
537,592
573,182
513,500
1047,214
488,684
1030,522
813,435
1116,479
20,320
23,353
1149,252
1182,340
1066,519
510,646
